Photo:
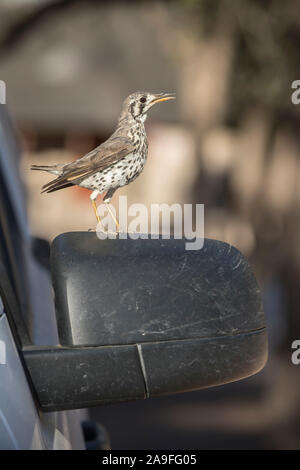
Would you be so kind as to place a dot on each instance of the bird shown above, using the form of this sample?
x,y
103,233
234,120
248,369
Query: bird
x,y
114,163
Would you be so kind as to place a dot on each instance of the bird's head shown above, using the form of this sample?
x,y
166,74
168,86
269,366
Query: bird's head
x,y
138,104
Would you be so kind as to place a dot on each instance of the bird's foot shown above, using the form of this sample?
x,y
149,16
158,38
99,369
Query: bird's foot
x,y
106,233
100,229
111,232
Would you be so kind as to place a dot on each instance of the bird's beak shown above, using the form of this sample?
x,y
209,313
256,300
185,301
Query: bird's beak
x,y
163,97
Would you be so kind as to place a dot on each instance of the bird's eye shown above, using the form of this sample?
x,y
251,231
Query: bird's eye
x,y
143,100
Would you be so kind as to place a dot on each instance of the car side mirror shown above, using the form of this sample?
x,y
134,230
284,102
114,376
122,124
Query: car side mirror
x,y
142,318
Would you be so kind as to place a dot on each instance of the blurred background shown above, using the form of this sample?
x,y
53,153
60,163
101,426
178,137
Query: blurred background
x,y
231,141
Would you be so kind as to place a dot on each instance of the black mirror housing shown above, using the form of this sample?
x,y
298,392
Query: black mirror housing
x,y
141,318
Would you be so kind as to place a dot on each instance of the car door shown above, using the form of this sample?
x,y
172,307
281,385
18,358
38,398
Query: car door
x,y
26,315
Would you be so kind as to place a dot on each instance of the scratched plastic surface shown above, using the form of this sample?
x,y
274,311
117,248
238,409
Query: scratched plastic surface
x,y
128,291
142,318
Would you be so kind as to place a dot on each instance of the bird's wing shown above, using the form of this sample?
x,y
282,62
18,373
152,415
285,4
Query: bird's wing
x,y
102,157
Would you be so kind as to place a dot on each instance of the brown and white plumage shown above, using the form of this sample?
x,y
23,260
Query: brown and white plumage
x,y
118,160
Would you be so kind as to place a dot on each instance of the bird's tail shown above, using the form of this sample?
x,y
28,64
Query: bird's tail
x,y
58,183
54,169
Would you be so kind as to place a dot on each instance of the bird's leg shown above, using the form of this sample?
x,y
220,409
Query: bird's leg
x,y
113,216
106,201
93,198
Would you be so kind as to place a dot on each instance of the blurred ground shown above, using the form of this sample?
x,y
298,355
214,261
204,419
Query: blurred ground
x,y
231,141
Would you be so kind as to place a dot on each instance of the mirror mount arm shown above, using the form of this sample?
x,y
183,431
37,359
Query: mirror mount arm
x,y
70,378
